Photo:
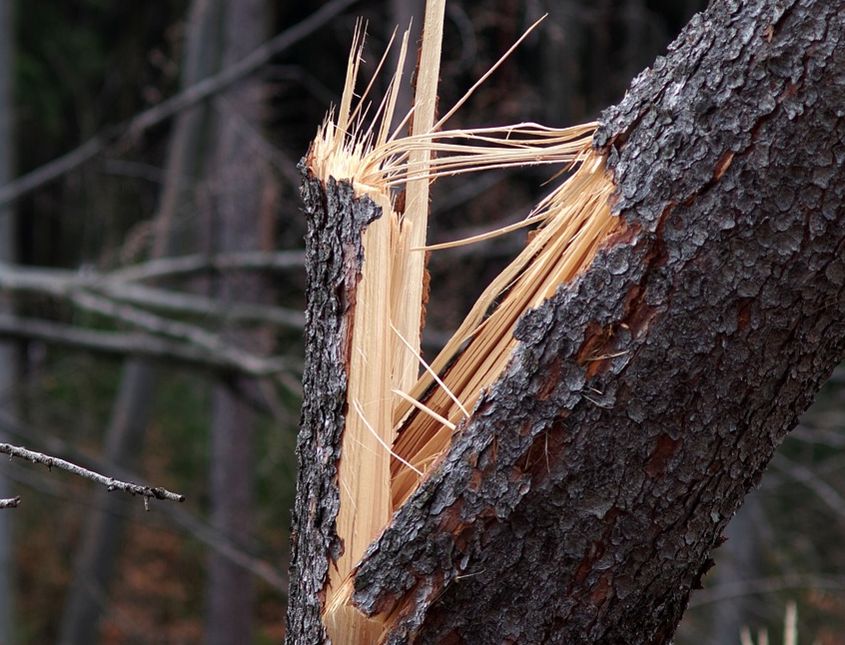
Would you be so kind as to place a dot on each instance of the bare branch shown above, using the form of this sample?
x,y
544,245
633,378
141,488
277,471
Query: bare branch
x,y
193,524
135,344
147,492
64,283
200,337
190,264
201,306
172,106
825,492
10,502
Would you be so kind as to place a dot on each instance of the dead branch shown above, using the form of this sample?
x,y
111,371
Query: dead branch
x,y
135,344
190,264
64,283
175,329
147,492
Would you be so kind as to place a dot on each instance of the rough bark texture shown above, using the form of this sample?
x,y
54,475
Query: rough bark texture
x,y
336,220
581,500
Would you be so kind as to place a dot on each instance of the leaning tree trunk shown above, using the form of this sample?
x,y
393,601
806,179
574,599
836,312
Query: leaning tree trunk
x,y
582,498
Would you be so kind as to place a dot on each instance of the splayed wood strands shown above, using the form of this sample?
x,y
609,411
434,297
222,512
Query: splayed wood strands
x,y
402,412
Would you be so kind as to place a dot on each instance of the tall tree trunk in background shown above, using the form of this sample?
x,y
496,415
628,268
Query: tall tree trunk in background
x,y
561,42
405,14
738,561
8,353
100,541
580,501
242,221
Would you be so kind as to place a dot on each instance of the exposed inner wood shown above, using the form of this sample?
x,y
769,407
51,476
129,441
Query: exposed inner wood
x,y
578,220
364,469
364,476
410,267
402,412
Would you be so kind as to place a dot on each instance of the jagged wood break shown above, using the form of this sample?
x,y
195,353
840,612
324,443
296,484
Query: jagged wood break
x,y
398,420
644,399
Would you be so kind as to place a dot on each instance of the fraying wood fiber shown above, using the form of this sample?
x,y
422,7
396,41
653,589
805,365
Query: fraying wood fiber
x,y
401,412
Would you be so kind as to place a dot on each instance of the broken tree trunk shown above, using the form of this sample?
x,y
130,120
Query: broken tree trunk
x,y
582,498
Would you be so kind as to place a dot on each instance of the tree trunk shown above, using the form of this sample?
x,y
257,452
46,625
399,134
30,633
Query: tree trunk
x,y
739,561
582,498
99,544
8,352
239,187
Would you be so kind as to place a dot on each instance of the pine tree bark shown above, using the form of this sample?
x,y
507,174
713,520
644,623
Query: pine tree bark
x,y
581,500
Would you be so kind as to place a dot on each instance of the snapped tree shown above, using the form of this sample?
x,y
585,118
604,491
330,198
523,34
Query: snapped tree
x,y
571,468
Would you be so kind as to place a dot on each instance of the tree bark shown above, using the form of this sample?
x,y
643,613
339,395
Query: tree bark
x,y
582,498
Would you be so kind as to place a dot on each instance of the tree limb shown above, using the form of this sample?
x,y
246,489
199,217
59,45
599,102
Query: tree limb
x,y
181,266
67,284
176,329
135,344
147,492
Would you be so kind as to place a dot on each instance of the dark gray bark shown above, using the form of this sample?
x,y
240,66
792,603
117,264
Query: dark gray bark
x,y
101,536
581,500
334,257
239,183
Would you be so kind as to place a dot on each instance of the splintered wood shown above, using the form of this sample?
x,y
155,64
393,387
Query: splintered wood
x,y
402,412
577,219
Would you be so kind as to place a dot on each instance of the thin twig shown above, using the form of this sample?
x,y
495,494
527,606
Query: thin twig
x,y
182,515
759,586
147,492
172,106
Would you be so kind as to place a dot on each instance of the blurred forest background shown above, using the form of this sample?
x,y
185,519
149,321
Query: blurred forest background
x,y
151,290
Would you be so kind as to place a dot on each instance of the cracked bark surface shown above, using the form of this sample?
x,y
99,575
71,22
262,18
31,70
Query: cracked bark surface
x,y
334,256
581,500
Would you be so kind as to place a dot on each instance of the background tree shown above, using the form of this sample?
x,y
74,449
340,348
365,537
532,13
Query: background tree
x,y
8,352
243,199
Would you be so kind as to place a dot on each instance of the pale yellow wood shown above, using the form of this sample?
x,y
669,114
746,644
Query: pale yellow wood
x,y
364,468
410,267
